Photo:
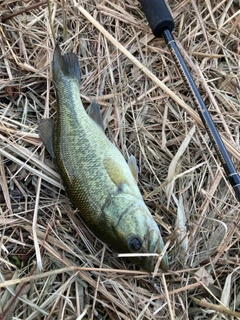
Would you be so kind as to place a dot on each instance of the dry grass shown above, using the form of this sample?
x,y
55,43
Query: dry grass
x,y
80,277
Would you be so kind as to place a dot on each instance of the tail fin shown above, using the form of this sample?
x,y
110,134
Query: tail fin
x,y
66,64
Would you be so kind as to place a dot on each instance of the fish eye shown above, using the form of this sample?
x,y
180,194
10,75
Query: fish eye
x,y
134,243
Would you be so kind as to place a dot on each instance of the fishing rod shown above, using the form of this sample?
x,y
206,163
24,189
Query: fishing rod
x,y
162,24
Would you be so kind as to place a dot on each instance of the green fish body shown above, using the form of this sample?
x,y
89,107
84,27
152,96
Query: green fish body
x,y
96,176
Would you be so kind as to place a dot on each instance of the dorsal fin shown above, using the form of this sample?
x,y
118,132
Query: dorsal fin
x,y
66,64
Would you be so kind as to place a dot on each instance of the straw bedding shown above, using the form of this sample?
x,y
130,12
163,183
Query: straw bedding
x,y
51,265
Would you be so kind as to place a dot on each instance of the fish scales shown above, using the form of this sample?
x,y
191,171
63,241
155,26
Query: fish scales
x,y
97,178
78,140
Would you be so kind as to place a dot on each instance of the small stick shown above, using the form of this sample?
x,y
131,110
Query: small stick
x,y
14,14
171,316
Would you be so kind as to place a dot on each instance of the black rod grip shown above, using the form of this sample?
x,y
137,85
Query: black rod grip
x,y
158,15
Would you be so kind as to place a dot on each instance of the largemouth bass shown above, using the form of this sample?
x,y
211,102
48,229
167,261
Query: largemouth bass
x,y
97,178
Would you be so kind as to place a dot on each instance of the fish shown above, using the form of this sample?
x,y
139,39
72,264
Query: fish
x,y
98,180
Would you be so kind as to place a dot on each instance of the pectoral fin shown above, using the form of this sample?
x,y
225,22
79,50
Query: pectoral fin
x,y
115,172
132,163
46,134
95,114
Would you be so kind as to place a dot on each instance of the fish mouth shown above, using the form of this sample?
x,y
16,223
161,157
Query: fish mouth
x,y
155,247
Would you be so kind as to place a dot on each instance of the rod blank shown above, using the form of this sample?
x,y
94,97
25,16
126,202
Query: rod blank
x,y
162,24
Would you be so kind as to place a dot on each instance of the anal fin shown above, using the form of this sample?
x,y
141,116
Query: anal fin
x,y
46,134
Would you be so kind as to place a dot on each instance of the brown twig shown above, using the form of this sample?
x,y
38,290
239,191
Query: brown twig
x,y
26,9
